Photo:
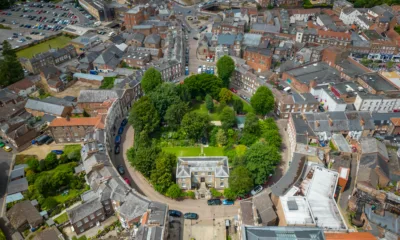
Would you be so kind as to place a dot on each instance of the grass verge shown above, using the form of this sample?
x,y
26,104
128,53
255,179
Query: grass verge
x,y
194,151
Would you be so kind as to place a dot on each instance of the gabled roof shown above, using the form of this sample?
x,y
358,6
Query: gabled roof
x,y
41,106
99,95
24,212
218,165
153,39
21,85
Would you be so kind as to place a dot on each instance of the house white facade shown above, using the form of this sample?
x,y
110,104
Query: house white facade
x,y
373,103
362,22
328,100
349,15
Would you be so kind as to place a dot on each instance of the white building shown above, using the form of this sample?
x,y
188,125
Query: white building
x,y
362,22
328,100
349,15
376,103
302,14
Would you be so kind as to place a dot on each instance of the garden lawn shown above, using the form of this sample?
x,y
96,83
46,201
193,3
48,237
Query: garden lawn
x,y
201,108
57,42
61,219
71,148
194,151
72,194
246,106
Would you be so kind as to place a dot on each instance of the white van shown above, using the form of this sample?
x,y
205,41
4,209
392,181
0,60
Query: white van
x,y
287,89
111,34
97,23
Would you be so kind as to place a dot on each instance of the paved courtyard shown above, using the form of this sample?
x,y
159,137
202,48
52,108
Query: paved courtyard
x,y
205,229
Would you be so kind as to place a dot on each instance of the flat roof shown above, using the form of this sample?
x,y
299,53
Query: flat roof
x,y
341,143
320,72
377,82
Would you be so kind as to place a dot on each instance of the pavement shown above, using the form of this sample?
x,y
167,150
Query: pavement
x,y
139,183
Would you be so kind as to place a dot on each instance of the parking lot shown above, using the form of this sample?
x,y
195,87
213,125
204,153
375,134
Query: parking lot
x,y
34,21
204,230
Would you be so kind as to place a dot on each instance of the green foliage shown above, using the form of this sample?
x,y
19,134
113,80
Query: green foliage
x,y
174,191
389,64
2,236
228,118
144,156
262,101
270,132
49,203
190,194
6,4
332,146
229,194
10,68
50,161
221,137
270,6
163,96
107,83
209,103
238,106
225,68
4,27
203,84
251,130
240,150
144,116
225,95
150,80
33,164
175,113
240,180
261,160
397,29
183,92
215,193
162,176
195,124
370,4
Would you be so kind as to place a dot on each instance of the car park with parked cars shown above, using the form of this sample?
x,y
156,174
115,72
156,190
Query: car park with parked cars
x,y
191,216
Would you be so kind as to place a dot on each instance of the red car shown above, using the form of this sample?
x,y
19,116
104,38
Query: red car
x,y
127,181
233,90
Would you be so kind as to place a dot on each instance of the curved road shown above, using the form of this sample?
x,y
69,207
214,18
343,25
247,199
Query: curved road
x,y
139,183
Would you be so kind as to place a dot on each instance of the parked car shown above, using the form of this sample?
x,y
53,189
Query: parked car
x,y
121,170
127,181
214,202
120,130
117,149
174,213
118,139
7,148
2,144
50,140
193,216
227,202
124,122
233,90
256,190
58,152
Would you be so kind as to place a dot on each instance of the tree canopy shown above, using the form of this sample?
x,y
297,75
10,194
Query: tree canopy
x,y
261,159
10,68
144,115
150,80
175,113
174,191
143,158
240,180
238,106
162,176
163,96
225,95
225,68
262,101
228,118
209,102
195,124
203,84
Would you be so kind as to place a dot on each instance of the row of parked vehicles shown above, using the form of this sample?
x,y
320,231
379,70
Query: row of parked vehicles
x,y
178,214
206,69
118,137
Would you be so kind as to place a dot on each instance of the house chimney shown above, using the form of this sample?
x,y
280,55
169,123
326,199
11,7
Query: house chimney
x,y
317,123
330,122
67,117
362,121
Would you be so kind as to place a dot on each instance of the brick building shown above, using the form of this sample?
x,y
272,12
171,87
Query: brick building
x,y
135,16
259,59
136,59
229,26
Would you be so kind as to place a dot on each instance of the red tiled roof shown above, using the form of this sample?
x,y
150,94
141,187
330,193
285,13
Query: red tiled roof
x,y
332,34
21,85
87,121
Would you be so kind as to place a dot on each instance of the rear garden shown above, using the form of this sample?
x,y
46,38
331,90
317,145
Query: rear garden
x,y
58,42
52,180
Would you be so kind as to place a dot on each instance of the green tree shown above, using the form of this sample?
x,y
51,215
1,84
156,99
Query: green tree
x,y
252,124
229,194
225,95
225,68
50,161
164,96
195,124
174,191
203,84
144,115
183,92
389,64
240,180
42,184
228,118
270,132
150,80
238,106
209,103
144,158
49,203
221,137
261,160
240,150
262,101
162,175
33,164
10,68
2,236
175,113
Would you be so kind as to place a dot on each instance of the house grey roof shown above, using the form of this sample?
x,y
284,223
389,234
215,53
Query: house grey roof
x,y
251,39
93,160
263,51
246,209
389,221
282,233
341,143
187,165
377,82
134,206
153,39
111,56
264,208
351,69
99,95
370,166
158,212
19,172
304,98
6,95
263,27
22,212
226,39
89,57
291,176
89,76
81,211
149,233
372,145
136,36
319,72
19,185
41,106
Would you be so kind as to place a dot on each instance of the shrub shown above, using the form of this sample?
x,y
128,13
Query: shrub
x,y
190,194
215,193
174,191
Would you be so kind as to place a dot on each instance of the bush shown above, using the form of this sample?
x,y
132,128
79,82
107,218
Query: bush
x,y
49,203
229,194
215,193
174,191
190,194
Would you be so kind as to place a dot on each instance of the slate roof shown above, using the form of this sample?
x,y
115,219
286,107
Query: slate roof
x,y
368,169
111,56
251,39
187,165
264,208
134,206
81,211
226,39
24,212
153,39
246,209
41,106
99,95
281,233
19,185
